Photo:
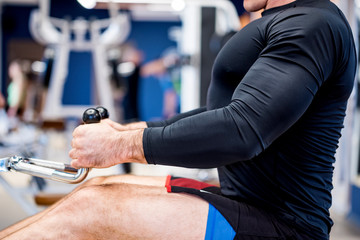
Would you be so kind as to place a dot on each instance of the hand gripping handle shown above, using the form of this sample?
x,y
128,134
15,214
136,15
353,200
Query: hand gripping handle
x,y
57,171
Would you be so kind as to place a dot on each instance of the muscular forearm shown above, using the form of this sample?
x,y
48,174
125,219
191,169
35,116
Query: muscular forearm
x,y
101,146
110,143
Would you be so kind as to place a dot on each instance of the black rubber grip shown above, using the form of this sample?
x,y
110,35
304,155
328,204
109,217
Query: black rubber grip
x,y
91,115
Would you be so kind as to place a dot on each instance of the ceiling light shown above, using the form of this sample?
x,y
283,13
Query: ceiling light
x,y
88,4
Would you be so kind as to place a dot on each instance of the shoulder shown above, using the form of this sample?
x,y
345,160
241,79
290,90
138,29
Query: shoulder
x,y
309,35
310,27
309,20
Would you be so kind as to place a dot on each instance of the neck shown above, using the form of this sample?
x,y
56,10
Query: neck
x,y
277,3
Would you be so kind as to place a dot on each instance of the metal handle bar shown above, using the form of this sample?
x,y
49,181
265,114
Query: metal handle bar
x,y
57,171
60,172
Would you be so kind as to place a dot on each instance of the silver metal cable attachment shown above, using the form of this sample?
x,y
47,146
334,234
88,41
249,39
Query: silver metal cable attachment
x,y
56,171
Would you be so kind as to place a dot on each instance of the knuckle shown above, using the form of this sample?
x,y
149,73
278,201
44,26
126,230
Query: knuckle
x,y
72,153
73,143
78,131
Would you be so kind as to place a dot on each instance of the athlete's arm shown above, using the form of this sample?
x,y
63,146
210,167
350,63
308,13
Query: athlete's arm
x,y
269,100
109,143
272,96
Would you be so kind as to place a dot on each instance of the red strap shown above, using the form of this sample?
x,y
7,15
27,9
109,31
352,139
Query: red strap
x,y
167,183
185,182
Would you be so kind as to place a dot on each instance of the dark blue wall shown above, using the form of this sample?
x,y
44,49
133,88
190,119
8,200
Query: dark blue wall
x,y
354,214
77,89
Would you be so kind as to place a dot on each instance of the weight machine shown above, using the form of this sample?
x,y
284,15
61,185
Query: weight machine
x,y
57,34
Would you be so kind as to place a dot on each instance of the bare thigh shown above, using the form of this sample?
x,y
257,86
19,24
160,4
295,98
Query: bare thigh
x,y
123,211
131,179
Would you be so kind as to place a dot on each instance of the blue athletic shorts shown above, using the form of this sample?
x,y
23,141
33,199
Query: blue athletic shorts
x,y
230,219
217,227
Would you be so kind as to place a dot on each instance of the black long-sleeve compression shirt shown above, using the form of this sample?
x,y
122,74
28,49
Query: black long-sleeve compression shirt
x,y
275,111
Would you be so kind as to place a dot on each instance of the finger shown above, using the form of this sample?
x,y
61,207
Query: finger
x,y
77,131
77,143
80,163
73,153
109,122
75,164
72,144
113,124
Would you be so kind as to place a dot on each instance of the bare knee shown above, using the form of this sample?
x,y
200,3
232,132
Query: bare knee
x,y
90,194
95,199
85,214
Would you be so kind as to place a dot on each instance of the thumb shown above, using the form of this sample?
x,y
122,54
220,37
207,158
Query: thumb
x,y
114,125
